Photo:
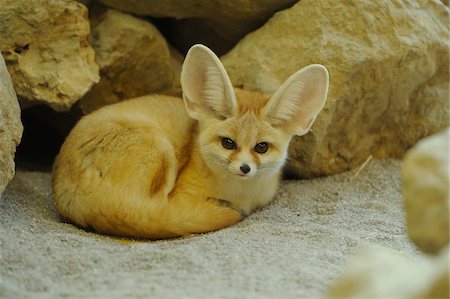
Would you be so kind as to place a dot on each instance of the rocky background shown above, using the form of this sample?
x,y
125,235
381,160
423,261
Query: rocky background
x,y
389,88
388,63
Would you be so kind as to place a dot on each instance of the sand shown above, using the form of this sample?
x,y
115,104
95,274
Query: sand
x,y
293,248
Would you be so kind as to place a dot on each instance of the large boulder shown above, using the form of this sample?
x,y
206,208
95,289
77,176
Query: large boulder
x,y
10,126
133,56
244,10
47,50
388,64
219,23
426,183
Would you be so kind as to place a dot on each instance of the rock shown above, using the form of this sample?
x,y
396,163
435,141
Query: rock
x,y
221,9
47,50
218,24
426,184
387,274
10,126
388,83
134,60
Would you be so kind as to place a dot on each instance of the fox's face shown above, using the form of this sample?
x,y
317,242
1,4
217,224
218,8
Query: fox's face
x,y
244,145
246,134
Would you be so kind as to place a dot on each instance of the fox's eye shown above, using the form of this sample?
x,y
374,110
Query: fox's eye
x,y
228,143
261,147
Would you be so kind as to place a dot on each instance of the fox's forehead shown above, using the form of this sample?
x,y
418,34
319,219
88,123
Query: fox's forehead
x,y
248,129
250,101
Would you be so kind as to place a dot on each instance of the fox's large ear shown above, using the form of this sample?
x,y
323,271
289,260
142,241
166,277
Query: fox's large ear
x,y
207,89
295,105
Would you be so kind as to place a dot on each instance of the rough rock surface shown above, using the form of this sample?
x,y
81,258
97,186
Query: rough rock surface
x,y
382,273
426,183
218,23
10,126
388,82
229,9
47,50
134,60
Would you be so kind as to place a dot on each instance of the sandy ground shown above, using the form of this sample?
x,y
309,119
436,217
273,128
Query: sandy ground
x,y
293,248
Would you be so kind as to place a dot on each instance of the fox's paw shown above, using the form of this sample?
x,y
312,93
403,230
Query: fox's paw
x,y
227,204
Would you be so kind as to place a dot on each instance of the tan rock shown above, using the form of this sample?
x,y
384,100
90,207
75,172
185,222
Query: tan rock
x,y
426,183
47,50
10,126
381,273
134,60
388,65
231,9
218,24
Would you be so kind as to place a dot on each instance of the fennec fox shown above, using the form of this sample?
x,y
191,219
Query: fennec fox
x,y
159,167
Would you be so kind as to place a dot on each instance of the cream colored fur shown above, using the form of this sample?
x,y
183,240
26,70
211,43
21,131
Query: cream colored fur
x,y
156,167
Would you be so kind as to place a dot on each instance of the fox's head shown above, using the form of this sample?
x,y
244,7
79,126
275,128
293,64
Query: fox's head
x,y
246,134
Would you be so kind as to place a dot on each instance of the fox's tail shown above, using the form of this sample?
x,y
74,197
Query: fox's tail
x,y
157,220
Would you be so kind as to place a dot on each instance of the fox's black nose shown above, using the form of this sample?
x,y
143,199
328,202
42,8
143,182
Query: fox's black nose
x,y
244,168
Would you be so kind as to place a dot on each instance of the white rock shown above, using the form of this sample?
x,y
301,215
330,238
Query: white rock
x,y
382,273
426,182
